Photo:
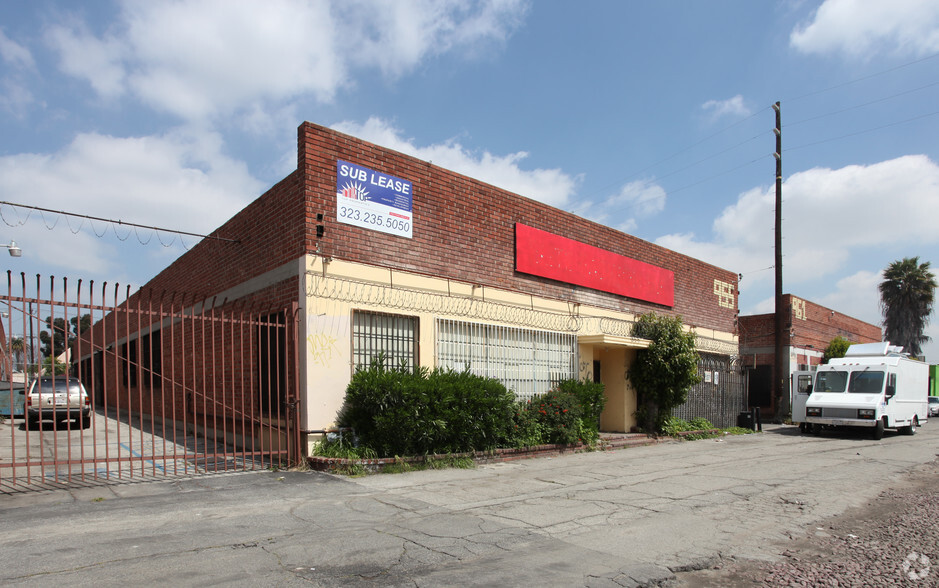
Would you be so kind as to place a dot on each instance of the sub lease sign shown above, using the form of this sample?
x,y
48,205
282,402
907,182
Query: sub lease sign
x,y
372,200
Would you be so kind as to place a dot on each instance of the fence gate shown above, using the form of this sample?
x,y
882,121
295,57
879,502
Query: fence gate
x,y
721,394
175,385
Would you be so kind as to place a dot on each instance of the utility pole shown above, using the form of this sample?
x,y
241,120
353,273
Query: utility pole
x,y
782,338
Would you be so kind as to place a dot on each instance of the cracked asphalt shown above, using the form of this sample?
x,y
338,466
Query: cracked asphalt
x,y
634,517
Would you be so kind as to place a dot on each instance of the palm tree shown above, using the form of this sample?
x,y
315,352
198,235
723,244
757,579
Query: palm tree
x,y
20,349
906,298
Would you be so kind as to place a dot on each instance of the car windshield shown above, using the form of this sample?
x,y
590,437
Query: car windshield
x,y
866,382
49,386
830,381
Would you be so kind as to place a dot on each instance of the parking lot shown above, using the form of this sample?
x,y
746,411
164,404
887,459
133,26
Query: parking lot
x,y
113,448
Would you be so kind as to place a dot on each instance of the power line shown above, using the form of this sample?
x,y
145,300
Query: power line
x,y
861,79
855,107
865,131
112,222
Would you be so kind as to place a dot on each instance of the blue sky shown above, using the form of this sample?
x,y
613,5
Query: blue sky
x,y
651,117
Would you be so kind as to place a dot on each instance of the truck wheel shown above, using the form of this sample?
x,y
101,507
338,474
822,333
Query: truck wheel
x,y
803,428
878,433
911,430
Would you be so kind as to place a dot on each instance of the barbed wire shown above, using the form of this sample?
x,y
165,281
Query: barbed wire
x,y
410,300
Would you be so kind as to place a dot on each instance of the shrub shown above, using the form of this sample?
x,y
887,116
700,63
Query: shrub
x,y
559,414
528,430
478,411
416,412
675,425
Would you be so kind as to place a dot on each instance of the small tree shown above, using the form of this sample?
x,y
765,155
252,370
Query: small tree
x,y
664,372
62,333
837,348
51,366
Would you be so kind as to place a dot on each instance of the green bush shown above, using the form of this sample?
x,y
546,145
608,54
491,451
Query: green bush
x,y
675,425
592,400
404,412
528,431
559,414
478,411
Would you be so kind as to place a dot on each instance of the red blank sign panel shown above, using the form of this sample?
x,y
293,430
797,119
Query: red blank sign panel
x,y
551,256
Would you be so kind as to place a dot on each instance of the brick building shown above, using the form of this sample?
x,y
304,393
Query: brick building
x,y
382,252
811,328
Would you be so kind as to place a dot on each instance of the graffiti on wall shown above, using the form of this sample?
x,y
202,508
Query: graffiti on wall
x,y
325,334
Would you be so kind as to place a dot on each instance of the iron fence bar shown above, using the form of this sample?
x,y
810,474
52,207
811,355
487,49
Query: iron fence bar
x,y
78,374
293,342
117,382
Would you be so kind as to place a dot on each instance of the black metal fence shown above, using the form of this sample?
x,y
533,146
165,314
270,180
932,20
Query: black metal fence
x,y
720,396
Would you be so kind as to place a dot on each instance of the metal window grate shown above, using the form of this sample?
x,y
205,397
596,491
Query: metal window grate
x,y
528,362
393,336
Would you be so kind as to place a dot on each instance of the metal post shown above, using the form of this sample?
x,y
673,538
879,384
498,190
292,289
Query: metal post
x,y
782,339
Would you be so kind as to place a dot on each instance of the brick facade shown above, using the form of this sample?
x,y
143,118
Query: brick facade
x,y
465,229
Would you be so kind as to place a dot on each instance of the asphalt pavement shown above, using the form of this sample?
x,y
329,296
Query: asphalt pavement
x,y
632,517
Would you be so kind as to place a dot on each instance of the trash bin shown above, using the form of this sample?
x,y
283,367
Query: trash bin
x,y
745,420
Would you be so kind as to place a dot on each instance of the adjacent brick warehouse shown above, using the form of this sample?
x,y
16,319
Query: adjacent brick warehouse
x,y
811,328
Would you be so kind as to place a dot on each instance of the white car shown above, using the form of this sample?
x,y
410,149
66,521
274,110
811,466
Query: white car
x,y
934,406
57,399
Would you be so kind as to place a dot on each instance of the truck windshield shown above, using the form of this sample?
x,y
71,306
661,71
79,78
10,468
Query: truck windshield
x,y
866,382
830,381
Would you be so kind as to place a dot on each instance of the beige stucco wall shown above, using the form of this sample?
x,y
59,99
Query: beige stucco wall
x,y
331,290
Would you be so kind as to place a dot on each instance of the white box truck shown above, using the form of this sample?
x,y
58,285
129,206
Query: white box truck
x,y
875,386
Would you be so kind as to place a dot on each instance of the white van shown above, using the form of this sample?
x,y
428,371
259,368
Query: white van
x,y
874,386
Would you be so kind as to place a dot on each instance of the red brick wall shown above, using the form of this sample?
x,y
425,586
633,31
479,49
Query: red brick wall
x,y
465,229
270,232
820,326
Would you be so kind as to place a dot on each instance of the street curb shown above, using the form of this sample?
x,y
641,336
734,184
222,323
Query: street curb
x,y
606,443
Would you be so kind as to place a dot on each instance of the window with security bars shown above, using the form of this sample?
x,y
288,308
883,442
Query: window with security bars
x,y
391,335
528,362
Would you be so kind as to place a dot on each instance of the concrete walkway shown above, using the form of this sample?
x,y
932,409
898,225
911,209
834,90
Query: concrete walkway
x,y
625,518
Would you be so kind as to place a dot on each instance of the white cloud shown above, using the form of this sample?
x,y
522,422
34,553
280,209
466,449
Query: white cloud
x,y
205,58
828,216
862,28
551,186
15,97
635,200
396,36
180,180
85,56
15,54
734,107
856,295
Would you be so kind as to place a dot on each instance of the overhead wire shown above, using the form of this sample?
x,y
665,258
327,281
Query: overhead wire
x,y
110,223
